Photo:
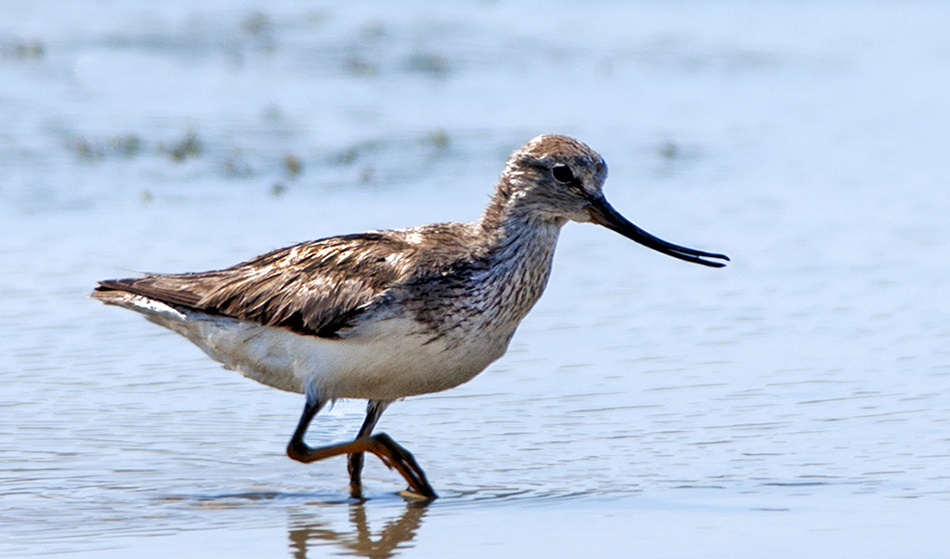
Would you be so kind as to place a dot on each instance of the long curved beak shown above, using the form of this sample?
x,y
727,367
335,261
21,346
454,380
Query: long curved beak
x,y
604,214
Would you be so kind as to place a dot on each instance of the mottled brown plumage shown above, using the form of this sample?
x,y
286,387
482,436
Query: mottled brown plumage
x,y
389,314
312,288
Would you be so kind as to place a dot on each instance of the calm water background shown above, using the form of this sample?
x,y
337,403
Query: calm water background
x,y
796,403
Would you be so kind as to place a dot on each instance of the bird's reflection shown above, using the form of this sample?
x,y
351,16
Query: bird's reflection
x,y
308,531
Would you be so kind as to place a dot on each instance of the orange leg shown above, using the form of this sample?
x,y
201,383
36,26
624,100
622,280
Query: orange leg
x,y
374,409
392,455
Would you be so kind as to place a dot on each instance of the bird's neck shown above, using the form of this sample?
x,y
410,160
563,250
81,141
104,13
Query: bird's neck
x,y
520,248
513,221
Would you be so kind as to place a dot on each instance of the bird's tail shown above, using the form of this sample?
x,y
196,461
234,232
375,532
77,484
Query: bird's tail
x,y
156,311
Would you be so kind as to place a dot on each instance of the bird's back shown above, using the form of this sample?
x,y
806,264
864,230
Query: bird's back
x,y
313,288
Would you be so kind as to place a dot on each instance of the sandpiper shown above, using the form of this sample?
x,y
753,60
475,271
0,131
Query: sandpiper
x,y
383,315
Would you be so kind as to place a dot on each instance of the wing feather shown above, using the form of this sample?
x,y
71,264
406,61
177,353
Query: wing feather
x,y
313,288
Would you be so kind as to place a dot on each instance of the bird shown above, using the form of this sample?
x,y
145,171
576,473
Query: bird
x,y
384,315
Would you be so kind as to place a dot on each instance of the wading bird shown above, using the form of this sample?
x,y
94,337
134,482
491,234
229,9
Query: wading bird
x,y
384,315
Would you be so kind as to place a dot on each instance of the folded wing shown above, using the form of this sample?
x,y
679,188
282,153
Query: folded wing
x,y
314,288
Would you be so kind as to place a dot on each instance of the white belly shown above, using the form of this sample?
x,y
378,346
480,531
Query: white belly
x,y
391,360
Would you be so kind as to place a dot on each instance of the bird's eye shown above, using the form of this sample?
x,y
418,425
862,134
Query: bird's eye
x,y
562,173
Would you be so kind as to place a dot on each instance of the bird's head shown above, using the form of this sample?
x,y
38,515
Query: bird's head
x,y
558,178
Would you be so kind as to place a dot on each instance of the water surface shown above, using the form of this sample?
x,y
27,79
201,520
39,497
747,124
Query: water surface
x,y
795,403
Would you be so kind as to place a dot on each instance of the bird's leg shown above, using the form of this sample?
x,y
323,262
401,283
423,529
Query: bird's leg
x,y
374,409
297,448
392,455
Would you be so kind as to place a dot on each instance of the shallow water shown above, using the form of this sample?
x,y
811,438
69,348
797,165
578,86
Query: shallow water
x,y
795,403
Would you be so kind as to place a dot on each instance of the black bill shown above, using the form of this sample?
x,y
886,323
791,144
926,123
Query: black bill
x,y
604,214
